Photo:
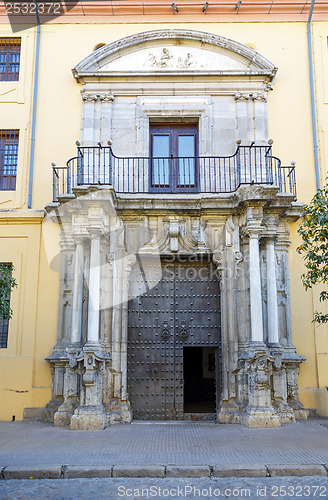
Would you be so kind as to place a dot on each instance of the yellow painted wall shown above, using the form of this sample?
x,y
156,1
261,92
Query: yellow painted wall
x,y
33,328
24,374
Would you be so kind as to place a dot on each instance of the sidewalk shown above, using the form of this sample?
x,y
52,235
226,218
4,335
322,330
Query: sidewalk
x,y
163,450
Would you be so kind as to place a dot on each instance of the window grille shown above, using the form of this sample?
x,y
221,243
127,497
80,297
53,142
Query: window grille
x,y
8,159
4,323
9,59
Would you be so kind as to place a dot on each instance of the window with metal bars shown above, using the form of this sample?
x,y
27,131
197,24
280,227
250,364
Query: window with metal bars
x,y
8,159
10,48
4,323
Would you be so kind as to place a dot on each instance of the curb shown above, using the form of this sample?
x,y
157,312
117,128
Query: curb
x,y
160,471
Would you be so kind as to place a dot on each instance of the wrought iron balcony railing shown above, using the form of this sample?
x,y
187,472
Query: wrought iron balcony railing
x,y
195,174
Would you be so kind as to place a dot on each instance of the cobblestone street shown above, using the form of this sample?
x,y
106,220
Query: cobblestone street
x,y
86,489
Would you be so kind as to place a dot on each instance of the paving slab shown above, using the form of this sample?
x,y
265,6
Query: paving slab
x,y
187,471
32,472
84,471
138,471
240,470
182,444
296,470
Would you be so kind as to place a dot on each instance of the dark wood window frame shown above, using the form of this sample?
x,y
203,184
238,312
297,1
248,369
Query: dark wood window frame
x,y
10,51
8,159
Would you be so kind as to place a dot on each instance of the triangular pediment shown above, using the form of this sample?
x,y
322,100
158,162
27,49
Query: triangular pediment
x,y
174,51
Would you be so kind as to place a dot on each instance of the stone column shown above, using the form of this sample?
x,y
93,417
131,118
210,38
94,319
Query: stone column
x,y
94,290
77,293
273,331
255,284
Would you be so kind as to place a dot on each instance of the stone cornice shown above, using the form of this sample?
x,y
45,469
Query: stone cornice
x,y
15,216
99,11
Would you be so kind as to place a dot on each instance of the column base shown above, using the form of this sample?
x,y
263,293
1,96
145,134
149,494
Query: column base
x,y
120,414
301,414
285,413
92,418
228,413
50,410
63,415
258,418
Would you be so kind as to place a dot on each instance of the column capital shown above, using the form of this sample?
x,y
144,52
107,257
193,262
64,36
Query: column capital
x,y
254,229
259,96
67,243
242,96
269,236
106,97
95,232
89,96
80,237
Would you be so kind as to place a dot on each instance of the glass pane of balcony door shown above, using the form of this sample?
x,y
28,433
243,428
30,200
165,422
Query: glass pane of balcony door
x,y
186,164
161,153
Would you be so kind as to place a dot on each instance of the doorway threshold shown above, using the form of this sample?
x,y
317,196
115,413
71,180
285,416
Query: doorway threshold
x,y
189,418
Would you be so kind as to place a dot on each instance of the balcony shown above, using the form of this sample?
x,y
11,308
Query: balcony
x,y
98,165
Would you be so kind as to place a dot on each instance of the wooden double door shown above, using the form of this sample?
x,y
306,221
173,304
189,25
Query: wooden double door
x,y
174,367
174,158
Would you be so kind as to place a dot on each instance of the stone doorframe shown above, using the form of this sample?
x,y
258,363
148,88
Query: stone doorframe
x,y
246,233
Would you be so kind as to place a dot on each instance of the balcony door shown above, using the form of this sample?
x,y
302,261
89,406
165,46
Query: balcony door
x,y
173,151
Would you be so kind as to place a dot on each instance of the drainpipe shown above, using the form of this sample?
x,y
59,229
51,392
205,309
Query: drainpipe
x,y
35,91
314,120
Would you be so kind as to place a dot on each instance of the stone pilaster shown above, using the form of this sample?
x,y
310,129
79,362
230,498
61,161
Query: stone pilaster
x,y
272,299
71,391
88,118
279,388
292,363
259,412
226,262
245,127
91,414
260,117
72,377
106,100
120,411
58,358
94,291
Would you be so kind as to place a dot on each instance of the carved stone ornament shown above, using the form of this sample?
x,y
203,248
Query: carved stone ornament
x,y
72,361
167,60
